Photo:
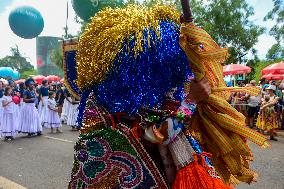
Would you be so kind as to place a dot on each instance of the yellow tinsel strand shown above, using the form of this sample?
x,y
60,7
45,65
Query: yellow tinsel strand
x,y
105,35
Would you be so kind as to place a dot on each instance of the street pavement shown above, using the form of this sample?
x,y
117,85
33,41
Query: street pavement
x,y
45,162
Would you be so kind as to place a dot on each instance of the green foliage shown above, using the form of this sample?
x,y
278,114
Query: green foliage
x,y
227,21
57,57
276,52
16,61
28,73
277,14
252,63
259,66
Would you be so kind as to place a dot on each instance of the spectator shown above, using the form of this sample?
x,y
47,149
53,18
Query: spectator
x,y
253,105
267,120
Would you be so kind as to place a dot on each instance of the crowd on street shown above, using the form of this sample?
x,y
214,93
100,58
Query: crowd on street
x,y
265,111
28,107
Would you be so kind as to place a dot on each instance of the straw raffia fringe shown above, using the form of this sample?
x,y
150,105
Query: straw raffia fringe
x,y
217,125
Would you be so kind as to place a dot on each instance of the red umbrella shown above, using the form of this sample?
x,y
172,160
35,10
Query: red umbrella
x,y
277,68
234,69
54,78
39,78
272,76
20,81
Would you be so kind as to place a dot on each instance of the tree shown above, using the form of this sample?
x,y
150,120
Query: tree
x,y
227,21
57,57
28,73
253,63
277,14
276,52
16,61
259,67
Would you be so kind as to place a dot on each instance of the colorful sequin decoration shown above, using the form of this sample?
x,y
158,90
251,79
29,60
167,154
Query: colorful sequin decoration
x,y
113,159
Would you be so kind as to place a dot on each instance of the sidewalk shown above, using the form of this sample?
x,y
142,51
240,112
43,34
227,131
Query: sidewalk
x,y
280,133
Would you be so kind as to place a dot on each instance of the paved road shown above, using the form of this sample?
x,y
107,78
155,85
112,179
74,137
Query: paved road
x,y
45,162
39,162
269,164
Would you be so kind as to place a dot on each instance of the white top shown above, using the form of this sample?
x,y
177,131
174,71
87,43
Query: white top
x,y
10,108
52,103
254,101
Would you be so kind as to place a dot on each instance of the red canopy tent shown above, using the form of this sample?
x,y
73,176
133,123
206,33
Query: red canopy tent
x,y
39,78
54,78
272,76
277,68
234,69
20,81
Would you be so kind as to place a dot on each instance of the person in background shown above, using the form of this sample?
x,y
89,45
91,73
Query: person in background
x,y
73,113
9,120
66,105
52,87
59,98
52,117
43,97
21,94
253,105
267,120
1,107
30,121
14,87
278,105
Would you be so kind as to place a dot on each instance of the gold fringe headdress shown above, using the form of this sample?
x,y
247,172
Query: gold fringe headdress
x,y
105,35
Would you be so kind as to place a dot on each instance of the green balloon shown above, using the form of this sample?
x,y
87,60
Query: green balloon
x,y
86,9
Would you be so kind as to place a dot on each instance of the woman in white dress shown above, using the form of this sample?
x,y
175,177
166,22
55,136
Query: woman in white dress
x,y
30,121
66,106
52,117
73,113
21,94
9,119
43,97
1,107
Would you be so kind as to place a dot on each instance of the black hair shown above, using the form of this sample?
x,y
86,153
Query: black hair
x,y
44,82
262,80
22,86
50,94
6,90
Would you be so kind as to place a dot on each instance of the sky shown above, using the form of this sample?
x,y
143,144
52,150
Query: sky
x,y
54,14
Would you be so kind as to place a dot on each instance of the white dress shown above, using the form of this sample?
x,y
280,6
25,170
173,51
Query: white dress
x,y
1,115
73,114
65,110
9,119
43,109
52,117
30,121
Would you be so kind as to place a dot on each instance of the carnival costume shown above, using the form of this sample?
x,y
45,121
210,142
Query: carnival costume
x,y
139,129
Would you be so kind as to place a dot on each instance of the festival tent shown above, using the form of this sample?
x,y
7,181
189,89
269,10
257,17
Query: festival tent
x,y
277,68
20,81
234,69
272,76
39,78
54,78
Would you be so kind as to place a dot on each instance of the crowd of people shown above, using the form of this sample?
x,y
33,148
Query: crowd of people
x,y
263,112
29,107
50,104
